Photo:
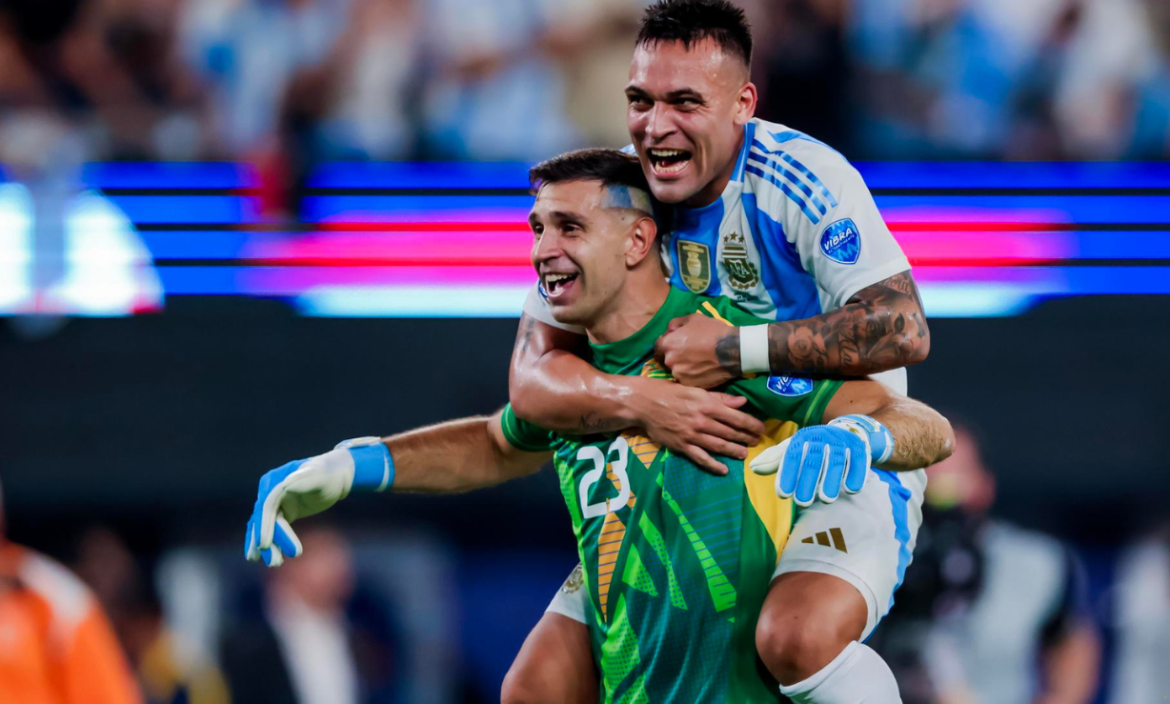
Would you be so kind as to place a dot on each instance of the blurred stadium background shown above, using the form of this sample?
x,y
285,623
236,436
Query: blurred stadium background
x,y
234,232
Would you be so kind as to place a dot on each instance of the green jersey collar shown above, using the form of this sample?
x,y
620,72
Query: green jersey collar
x,y
616,357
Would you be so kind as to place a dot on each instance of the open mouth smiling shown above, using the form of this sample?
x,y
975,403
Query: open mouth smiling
x,y
668,162
557,284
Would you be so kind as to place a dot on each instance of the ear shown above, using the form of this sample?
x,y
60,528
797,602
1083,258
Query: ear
x,y
745,108
641,241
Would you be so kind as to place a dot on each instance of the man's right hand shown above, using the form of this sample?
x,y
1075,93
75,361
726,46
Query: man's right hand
x,y
695,423
306,487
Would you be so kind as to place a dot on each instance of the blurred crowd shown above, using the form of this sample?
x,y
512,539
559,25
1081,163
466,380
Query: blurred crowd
x,y
989,613
282,82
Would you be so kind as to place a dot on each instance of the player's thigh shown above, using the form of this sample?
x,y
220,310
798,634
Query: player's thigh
x,y
865,539
554,666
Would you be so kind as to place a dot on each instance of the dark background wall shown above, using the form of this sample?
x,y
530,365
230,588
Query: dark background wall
x,y
165,422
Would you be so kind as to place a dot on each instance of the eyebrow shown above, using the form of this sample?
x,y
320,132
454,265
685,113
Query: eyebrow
x,y
672,95
558,215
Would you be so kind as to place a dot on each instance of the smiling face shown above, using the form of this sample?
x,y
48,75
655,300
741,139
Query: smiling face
x,y
586,240
686,112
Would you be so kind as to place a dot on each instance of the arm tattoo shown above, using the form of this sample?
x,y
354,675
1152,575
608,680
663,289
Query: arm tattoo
x,y
593,423
727,352
881,328
524,335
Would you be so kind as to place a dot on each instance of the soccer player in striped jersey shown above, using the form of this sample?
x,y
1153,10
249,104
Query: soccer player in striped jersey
x,y
677,564
784,225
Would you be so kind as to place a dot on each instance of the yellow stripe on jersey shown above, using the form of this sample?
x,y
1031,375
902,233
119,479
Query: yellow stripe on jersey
x,y
774,512
609,544
643,447
714,313
653,370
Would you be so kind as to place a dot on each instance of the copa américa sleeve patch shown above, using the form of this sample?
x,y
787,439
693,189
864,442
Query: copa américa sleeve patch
x,y
789,385
841,242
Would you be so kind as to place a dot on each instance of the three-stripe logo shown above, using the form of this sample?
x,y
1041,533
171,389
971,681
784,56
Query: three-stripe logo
x,y
832,538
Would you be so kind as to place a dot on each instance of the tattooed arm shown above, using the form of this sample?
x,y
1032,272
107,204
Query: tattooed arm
x,y
882,327
553,387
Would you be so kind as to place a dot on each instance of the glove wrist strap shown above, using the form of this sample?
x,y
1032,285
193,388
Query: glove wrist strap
x,y
881,441
373,467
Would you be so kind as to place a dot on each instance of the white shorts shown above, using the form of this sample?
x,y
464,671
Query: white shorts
x,y
866,539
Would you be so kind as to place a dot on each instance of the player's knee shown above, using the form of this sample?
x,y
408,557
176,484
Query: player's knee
x,y
796,650
797,640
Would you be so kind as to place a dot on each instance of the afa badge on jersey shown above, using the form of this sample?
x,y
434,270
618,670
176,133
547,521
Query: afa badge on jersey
x,y
841,242
789,385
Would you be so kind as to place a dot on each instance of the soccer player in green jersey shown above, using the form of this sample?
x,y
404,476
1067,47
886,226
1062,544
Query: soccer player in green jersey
x,y
677,562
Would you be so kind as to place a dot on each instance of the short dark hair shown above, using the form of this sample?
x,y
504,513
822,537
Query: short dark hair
x,y
692,21
610,166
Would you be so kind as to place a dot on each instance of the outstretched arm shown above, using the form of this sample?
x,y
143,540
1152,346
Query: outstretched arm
x,y
457,456
553,387
881,327
450,457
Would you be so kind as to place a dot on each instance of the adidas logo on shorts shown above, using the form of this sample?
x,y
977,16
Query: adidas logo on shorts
x,y
832,538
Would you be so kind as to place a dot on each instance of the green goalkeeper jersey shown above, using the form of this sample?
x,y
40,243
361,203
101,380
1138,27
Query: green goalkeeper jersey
x,y
677,562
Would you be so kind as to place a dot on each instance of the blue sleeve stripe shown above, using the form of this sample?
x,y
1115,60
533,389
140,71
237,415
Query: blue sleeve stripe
x,y
899,497
758,158
749,136
790,135
799,167
811,177
787,191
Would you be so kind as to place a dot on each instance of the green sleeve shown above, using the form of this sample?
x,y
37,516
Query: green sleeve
x,y
523,435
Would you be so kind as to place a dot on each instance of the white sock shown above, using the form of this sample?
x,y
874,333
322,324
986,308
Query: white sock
x,y
857,676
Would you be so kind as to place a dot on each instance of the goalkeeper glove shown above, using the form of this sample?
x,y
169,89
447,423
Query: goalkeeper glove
x,y
305,487
818,461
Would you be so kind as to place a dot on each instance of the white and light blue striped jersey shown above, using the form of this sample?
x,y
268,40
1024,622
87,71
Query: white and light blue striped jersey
x,y
795,233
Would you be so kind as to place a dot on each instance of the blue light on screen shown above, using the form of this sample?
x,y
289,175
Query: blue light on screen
x,y
450,239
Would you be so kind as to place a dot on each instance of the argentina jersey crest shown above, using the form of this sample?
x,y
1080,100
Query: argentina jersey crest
x,y
743,274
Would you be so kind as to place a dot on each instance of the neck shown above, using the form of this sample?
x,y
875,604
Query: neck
x,y
713,190
639,300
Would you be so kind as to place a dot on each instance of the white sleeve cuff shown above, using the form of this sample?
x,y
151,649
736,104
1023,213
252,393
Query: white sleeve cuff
x,y
570,599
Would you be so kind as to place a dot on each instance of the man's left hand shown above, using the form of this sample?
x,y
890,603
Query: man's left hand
x,y
700,351
819,461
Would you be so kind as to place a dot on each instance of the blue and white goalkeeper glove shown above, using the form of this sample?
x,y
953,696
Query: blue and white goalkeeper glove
x,y
820,460
305,487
